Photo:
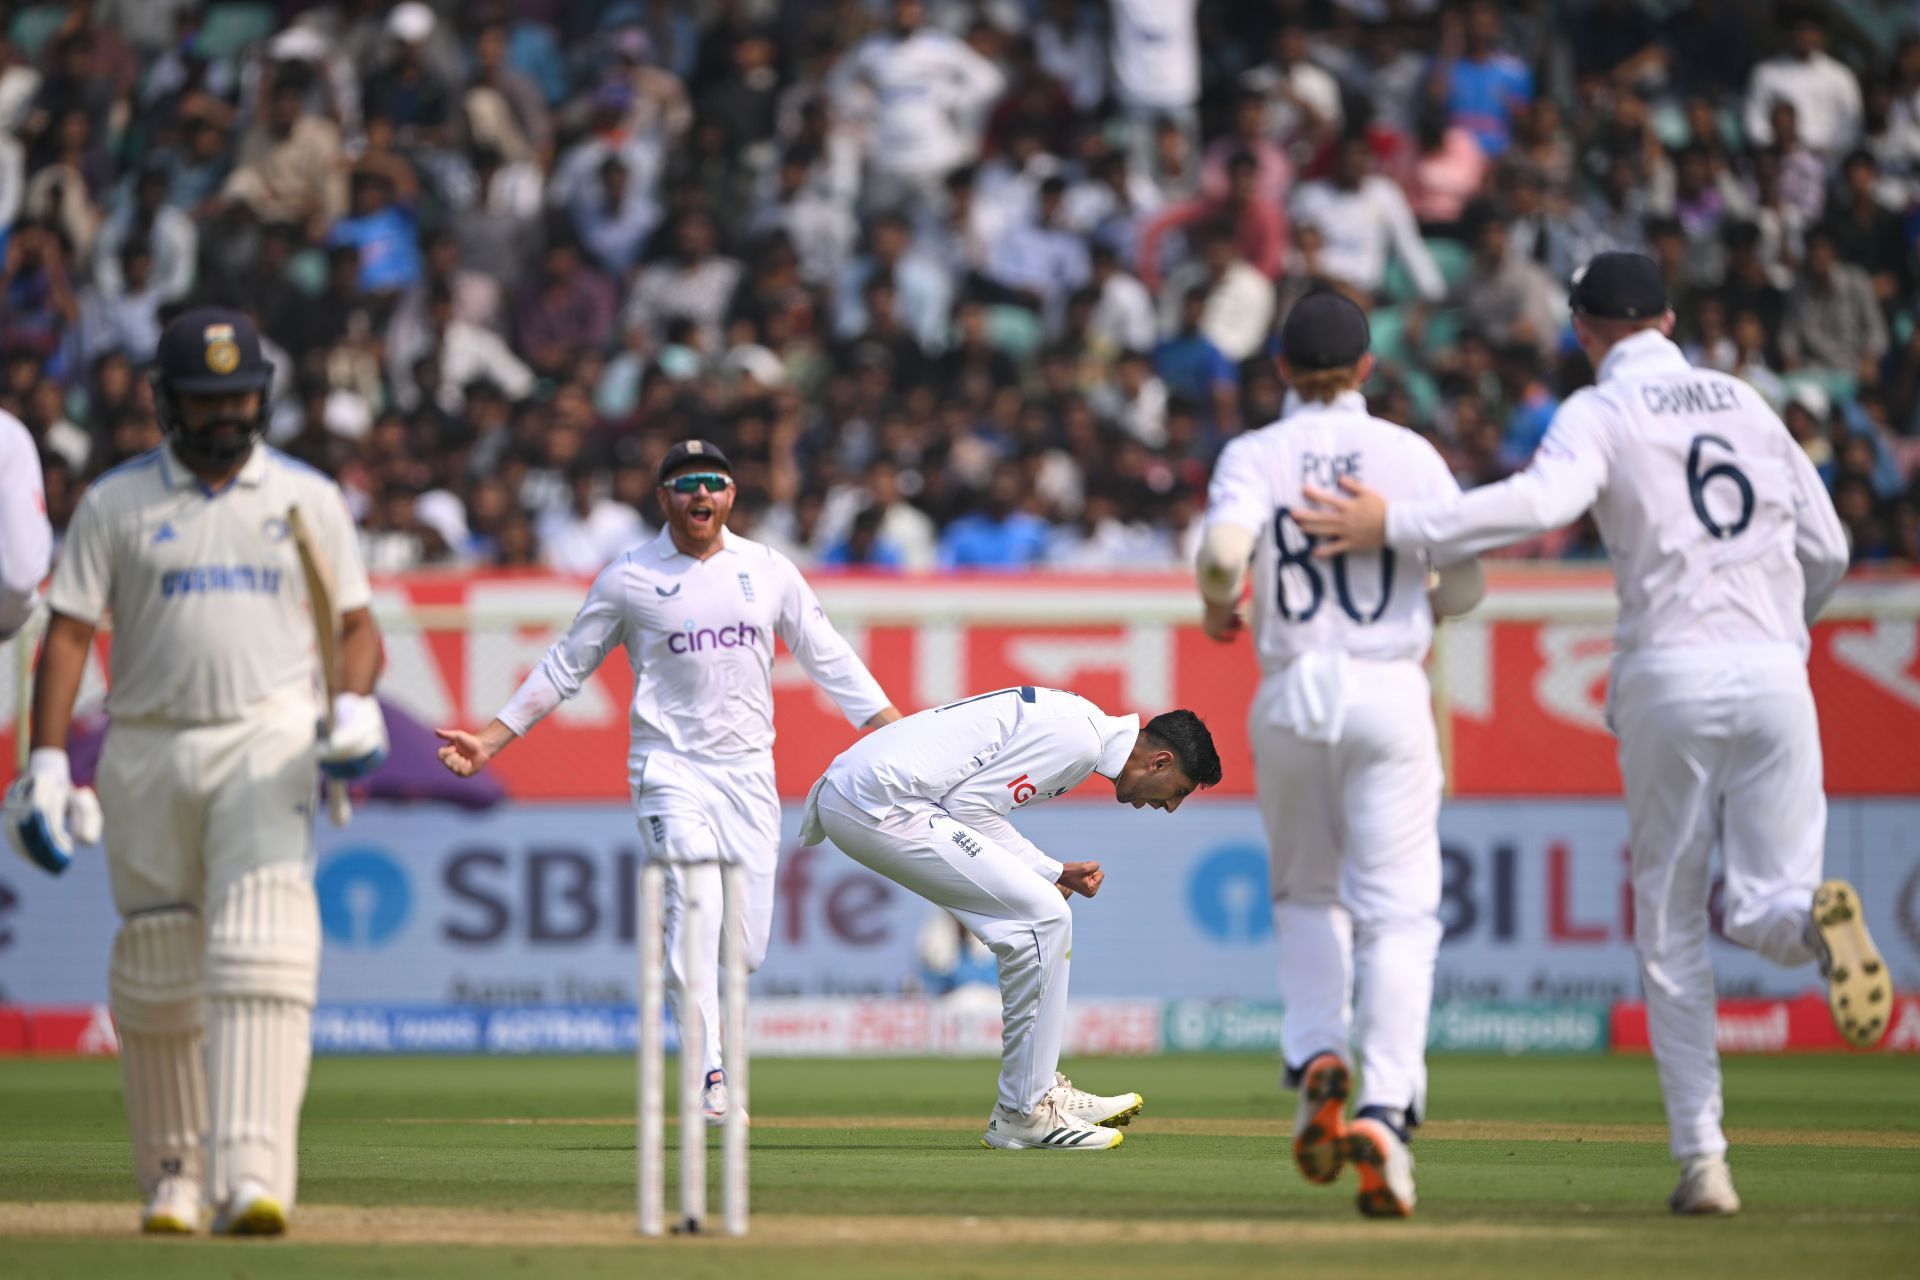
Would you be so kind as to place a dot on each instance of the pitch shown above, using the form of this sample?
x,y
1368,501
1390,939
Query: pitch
x,y
474,1168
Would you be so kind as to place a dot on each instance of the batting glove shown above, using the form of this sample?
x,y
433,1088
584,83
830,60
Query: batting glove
x,y
46,815
358,742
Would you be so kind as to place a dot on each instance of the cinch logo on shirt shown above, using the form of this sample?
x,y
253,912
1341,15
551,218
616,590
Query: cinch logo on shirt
x,y
695,641
204,579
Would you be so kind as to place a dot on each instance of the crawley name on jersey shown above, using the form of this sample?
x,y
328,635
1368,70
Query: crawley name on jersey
x,y
699,636
1717,526
204,585
1371,605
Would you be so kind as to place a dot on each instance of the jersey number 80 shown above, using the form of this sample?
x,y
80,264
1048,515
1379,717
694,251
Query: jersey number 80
x,y
1301,557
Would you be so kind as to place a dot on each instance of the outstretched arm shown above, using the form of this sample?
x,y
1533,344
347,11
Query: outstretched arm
x,y
600,624
1562,481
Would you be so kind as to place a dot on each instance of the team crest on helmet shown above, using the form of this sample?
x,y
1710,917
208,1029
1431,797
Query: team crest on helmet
x,y
223,353
695,446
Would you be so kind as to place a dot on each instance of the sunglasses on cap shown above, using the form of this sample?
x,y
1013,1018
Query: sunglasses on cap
x,y
694,481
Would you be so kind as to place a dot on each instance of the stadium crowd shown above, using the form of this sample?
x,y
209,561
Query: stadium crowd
x,y
956,284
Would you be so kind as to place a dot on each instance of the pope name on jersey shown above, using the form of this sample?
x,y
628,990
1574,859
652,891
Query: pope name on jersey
x,y
1724,547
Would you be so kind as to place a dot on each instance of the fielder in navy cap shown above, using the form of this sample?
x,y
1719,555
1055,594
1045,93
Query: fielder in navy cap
x,y
1324,331
210,383
696,455
1620,286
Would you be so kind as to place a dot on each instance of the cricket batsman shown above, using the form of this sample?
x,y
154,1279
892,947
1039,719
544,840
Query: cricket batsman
x,y
925,802
206,779
697,609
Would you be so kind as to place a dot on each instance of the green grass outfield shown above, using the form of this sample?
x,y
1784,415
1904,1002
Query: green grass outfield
x,y
416,1167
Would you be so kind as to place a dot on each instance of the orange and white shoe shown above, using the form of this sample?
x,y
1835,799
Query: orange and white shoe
x,y
1859,989
1320,1123
1385,1165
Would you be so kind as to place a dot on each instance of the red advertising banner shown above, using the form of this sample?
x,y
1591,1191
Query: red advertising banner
x,y
1773,1026
1521,682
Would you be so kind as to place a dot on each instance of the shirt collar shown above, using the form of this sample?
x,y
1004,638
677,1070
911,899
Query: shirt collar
x,y
1345,402
663,544
179,476
1648,351
1117,736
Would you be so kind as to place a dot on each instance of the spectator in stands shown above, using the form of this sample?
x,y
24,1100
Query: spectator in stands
x,y
1483,86
1156,76
169,235
592,529
290,163
1002,533
916,86
1507,297
1362,217
696,284
1833,323
1822,90
1258,227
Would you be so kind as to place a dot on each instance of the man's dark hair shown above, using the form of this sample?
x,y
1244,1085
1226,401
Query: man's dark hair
x,y
1185,734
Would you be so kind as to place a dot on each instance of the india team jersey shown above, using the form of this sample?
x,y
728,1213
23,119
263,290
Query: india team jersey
x,y
699,636
209,608
1372,605
1717,525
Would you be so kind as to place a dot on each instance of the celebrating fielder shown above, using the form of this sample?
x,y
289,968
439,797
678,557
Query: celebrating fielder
x,y
206,777
697,609
925,803
26,539
1724,547
1344,743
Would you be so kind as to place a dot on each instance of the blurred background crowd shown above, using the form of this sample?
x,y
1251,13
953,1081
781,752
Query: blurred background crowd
x,y
957,284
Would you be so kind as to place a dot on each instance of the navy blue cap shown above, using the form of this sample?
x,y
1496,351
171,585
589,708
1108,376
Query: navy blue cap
x,y
1324,331
700,453
1620,286
212,351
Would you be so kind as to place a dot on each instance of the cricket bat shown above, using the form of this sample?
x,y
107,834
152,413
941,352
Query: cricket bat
x,y
326,639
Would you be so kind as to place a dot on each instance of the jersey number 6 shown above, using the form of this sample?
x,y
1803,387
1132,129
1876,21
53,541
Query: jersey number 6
x,y
1301,558
1697,487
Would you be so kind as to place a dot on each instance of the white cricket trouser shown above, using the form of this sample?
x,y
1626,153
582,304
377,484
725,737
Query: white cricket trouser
x,y
209,835
705,812
190,809
1717,747
1355,864
1001,901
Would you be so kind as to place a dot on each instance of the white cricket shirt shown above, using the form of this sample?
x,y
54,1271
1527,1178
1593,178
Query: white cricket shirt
x,y
1717,525
927,88
26,539
981,758
699,637
209,607
1371,604
1156,52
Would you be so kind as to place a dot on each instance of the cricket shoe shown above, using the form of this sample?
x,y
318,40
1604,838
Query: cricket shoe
x,y
1046,1128
1320,1123
250,1211
1094,1109
1859,991
173,1209
714,1100
1705,1190
1380,1156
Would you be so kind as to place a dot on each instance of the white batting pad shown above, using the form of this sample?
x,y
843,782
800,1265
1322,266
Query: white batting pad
x,y
154,982
263,963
